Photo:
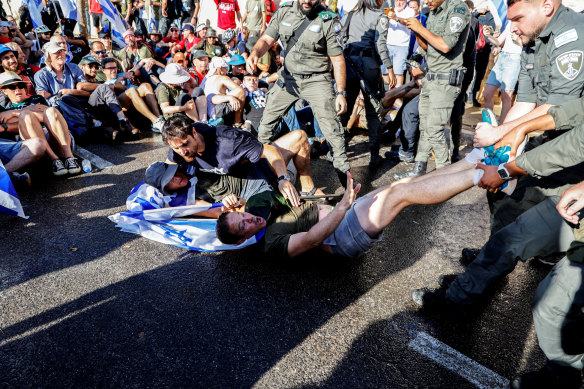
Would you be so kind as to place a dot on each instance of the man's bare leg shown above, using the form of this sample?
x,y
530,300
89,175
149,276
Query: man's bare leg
x,y
30,127
133,95
201,103
379,208
294,146
30,151
147,93
57,126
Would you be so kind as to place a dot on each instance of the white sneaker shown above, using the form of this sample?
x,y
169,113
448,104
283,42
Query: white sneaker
x,y
158,124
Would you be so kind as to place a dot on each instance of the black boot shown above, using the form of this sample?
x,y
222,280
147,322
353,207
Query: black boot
x,y
374,159
418,170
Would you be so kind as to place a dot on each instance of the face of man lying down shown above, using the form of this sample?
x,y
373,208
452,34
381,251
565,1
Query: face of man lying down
x,y
244,224
178,181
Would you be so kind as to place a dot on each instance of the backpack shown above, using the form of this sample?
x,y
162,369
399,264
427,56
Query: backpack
x,y
76,116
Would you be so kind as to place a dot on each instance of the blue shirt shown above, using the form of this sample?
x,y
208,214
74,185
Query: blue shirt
x,y
422,18
46,80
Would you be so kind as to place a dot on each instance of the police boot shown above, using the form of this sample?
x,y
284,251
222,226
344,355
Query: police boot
x,y
418,170
374,159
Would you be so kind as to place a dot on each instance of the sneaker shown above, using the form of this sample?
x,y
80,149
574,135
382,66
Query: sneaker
x,y
545,378
59,168
20,180
397,157
445,280
468,255
158,124
72,166
216,122
490,117
550,260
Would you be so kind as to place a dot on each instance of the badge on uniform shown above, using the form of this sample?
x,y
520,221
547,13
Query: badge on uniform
x,y
566,37
456,24
384,22
570,63
315,28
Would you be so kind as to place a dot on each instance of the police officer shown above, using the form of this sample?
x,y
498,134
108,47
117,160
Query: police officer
x,y
443,40
364,56
311,36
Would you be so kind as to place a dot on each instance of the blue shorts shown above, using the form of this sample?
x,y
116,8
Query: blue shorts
x,y
505,73
349,239
398,56
8,149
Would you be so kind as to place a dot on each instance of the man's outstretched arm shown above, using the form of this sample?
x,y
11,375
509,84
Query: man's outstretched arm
x,y
302,242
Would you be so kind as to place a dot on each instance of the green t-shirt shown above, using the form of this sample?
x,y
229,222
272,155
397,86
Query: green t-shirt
x,y
167,94
283,220
254,9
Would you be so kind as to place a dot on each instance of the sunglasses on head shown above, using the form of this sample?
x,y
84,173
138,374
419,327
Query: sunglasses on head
x,y
18,85
100,52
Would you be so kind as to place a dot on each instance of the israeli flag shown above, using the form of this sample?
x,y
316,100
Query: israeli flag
x,y
501,6
9,202
151,20
118,24
150,216
34,8
69,8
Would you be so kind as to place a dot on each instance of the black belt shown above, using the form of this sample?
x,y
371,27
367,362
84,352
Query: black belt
x,y
437,76
304,76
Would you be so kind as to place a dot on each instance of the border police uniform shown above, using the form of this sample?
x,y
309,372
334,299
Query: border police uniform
x,y
364,55
306,75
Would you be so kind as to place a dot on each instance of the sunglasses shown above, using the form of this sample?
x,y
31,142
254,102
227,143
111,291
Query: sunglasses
x,y
100,52
173,29
18,85
111,68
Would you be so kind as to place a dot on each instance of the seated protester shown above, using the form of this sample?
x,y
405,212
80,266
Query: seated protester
x,y
154,38
169,42
18,37
170,94
43,34
61,41
237,64
232,46
5,32
225,98
141,97
191,87
107,93
187,42
200,65
32,113
133,53
105,37
9,62
200,33
225,150
78,46
99,52
210,45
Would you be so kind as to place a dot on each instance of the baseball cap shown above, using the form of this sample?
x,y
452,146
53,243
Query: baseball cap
x,y
5,49
88,59
200,54
188,27
228,35
237,59
52,48
180,56
211,33
200,26
159,175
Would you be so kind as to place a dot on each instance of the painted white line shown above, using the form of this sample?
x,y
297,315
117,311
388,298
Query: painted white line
x,y
95,160
454,361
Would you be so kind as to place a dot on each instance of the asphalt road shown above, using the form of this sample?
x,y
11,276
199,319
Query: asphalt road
x,y
85,305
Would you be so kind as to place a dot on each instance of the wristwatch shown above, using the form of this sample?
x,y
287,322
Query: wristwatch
x,y
503,172
284,177
342,93
4,126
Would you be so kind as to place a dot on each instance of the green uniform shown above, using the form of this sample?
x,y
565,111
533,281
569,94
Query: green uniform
x,y
451,21
306,75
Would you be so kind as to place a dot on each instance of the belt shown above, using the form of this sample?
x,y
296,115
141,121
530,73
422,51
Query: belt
x,y
437,76
304,76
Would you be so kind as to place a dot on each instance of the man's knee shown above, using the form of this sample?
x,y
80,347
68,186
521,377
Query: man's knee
x,y
36,146
52,114
145,88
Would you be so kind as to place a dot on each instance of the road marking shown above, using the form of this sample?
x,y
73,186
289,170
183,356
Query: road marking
x,y
454,361
95,160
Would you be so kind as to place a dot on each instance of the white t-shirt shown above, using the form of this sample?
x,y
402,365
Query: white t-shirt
x,y
397,33
509,46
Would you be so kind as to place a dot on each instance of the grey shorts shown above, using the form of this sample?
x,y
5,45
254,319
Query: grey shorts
x,y
349,239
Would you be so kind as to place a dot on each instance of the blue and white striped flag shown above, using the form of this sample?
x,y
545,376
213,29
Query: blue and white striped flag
x,y
148,216
501,6
69,8
151,20
118,24
34,8
9,202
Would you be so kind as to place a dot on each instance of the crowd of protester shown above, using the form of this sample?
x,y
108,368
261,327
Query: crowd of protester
x,y
206,89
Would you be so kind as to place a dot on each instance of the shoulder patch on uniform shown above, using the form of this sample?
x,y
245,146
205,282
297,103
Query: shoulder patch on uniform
x,y
460,10
287,4
566,37
570,63
327,15
456,24
315,28
384,22
338,27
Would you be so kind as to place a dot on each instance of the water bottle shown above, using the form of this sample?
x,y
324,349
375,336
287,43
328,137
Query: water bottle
x,y
86,166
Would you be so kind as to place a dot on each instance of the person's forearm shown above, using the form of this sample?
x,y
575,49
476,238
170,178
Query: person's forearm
x,y
166,108
538,111
260,47
86,86
433,40
238,93
275,159
340,71
421,42
218,99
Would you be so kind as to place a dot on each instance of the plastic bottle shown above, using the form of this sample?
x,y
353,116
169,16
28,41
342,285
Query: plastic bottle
x,y
86,166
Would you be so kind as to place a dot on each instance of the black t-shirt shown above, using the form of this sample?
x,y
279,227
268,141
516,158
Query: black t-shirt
x,y
227,150
255,103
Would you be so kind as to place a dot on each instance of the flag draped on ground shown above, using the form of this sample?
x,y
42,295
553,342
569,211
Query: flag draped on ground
x,y
150,216
118,25
9,202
